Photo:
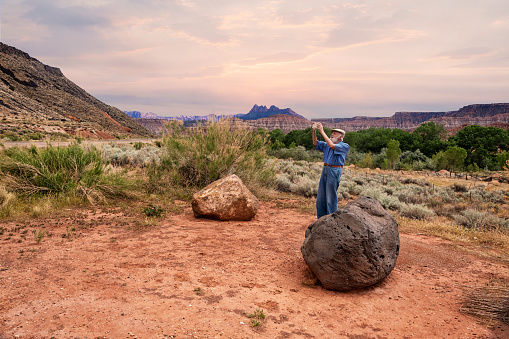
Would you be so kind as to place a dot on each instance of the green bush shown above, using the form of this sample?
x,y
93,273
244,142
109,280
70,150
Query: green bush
x,y
196,157
53,170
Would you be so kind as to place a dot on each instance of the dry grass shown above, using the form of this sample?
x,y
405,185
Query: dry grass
x,y
490,303
490,243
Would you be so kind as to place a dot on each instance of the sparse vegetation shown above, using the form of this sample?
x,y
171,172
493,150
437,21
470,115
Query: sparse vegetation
x,y
38,235
199,291
257,318
153,210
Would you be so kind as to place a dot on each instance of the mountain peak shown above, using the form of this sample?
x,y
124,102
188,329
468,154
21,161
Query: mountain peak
x,y
258,112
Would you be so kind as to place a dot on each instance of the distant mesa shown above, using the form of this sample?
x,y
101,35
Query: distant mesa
x,y
287,120
496,114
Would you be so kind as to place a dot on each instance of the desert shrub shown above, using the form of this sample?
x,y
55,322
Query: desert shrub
x,y
395,183
304,186
203,155
342,195
351,187
480,194
127,155
138,145
447,210
416,181
412,194
10,136
480,220
359,181
34,136
298,177
459,188
490,303
446,195
387,201
413,211
51,170
283,183
297,153
388,189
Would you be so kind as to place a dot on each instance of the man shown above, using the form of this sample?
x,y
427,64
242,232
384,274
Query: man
x,y
334,154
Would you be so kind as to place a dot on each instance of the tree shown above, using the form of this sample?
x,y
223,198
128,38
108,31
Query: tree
x,y
482,144
393,153
452,159
276,138
429,131
407,140
455,156
367,161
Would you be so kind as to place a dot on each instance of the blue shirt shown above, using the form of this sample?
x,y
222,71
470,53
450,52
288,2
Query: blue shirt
x,y
334,156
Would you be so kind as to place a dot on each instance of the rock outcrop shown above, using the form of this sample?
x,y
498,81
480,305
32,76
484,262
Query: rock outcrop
x,y
39,97
355,247
259,112
225,199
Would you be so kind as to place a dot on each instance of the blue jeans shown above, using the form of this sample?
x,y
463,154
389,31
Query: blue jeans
x,y
327,197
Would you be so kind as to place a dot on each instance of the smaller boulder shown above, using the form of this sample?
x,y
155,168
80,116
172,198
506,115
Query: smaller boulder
x,y
225,199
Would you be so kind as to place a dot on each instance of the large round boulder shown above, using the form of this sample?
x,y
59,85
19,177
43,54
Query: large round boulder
x,y
225,199
354,247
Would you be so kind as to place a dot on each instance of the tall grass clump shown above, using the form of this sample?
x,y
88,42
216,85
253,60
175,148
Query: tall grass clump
x,y
6,199
194,158
56,170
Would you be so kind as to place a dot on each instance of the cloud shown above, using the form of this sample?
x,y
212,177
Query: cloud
x,y
47,14
463,53
495,63
278,58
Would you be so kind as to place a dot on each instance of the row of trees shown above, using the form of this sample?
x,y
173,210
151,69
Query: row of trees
x,y
473,147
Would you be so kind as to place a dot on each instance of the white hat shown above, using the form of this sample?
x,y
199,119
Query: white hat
x,y
339,130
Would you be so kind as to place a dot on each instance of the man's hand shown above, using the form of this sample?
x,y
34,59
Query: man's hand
x,y
319,126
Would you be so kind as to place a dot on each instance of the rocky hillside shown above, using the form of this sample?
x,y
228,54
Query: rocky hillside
x,y
39,98
479,114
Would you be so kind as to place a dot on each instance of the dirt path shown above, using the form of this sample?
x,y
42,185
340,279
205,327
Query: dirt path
x,y
113,280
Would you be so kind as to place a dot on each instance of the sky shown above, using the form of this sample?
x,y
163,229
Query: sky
x,y
321,58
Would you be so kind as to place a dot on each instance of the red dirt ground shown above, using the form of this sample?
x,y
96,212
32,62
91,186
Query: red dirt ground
x,y
112,280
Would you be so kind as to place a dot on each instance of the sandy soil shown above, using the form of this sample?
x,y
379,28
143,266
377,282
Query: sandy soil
x,y
198,278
